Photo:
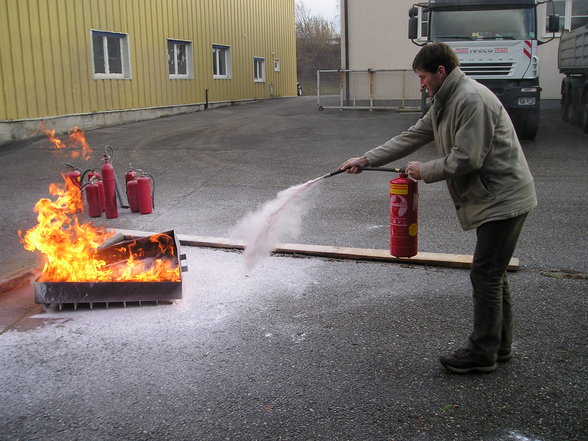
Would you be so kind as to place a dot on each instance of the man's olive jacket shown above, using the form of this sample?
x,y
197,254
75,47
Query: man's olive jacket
x,y
482,160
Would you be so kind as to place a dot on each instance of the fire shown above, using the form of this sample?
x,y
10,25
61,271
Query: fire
x,y
76,146
69,248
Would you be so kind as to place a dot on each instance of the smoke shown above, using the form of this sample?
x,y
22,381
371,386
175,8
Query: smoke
x,y
263,229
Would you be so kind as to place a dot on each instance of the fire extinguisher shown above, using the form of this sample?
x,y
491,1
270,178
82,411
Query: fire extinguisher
x,y
129,176
109,182
132,195
95,177
74,174
404,194
93,198
145,193
100,183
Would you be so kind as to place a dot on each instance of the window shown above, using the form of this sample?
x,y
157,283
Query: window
x,y
423,24
510,24
579,15
572,13
110,55
179,59
258,69
221,61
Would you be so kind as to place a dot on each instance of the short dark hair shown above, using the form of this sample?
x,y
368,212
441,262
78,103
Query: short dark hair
x,y
433,55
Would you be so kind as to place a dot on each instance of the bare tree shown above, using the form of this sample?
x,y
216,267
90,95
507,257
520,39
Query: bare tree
x,y
318,46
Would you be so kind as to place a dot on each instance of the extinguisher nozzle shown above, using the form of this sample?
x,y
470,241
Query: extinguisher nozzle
x,y
328,175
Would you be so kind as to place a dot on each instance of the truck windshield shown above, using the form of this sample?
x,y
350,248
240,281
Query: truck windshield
x,y
506,24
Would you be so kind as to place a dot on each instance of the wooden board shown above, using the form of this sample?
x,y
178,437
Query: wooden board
x,y
422,258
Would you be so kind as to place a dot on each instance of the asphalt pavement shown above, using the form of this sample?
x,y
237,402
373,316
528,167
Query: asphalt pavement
x,y
299,348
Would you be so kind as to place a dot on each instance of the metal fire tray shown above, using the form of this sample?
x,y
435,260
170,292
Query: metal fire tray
x,y
48,293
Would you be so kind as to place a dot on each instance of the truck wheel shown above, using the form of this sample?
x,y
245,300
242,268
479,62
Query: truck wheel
x,y
564,109
573,117
529,124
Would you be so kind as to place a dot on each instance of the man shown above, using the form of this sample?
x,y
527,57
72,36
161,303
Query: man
x,y
489,181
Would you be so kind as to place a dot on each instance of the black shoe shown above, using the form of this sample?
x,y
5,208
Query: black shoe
x,y
503,356
463,361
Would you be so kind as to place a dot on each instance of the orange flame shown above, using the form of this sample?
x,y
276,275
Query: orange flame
x,y
69,248
75,147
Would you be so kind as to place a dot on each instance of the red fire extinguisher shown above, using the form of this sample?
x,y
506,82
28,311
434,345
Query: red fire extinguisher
x,y
130,175
98,179
74,174
145,193
132,195
93,198
404,194
95,177
109,181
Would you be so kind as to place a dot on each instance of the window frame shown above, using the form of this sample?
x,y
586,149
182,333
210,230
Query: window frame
x,y
423,23
217,50
124,54
259,69
567,17
189,59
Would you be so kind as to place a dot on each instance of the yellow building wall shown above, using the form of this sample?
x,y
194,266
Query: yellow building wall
x,y
46,60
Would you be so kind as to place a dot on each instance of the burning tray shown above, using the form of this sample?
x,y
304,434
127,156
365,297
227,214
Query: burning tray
x,y
148,249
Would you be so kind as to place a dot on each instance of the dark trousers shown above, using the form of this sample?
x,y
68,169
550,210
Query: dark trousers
x,y
493,321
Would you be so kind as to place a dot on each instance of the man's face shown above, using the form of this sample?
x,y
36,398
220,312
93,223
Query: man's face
x,y
431,81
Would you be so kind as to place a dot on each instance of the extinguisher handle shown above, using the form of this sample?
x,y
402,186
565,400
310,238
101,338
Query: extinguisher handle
x,y
73,167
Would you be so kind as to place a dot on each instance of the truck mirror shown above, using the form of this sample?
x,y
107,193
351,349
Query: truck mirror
x,y
413,12
553,24
413,28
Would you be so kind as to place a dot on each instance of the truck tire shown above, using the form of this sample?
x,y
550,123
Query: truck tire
x,y
565,101
572,108
528,124
564,109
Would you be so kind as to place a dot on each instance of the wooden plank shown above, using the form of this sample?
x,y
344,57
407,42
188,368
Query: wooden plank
x,y
380,255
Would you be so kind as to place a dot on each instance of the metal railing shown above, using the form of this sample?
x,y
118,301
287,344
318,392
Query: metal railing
x,y
382,89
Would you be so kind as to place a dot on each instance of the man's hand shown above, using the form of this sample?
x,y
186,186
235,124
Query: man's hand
x,y
413,169
352,165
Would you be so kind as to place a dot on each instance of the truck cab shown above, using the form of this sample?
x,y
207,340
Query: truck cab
x,y
496,43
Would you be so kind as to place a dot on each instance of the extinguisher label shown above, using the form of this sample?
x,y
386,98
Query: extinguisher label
x,y
398,205
398,188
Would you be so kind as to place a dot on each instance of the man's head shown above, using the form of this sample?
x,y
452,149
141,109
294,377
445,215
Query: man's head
x,y
432,64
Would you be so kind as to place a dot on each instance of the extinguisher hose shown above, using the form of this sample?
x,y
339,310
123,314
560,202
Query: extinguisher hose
x,y
85,173
383,169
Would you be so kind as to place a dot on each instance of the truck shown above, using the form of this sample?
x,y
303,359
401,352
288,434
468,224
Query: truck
x,y
572,61
496,43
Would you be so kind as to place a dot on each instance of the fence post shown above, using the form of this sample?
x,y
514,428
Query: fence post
x,y
403,88
318,88
371,74
341,82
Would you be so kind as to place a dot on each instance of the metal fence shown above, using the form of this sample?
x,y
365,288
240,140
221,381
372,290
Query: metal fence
x,y
368,89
